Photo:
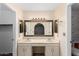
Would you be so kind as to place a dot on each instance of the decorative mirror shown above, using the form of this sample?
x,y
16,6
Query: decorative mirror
x,y
38,28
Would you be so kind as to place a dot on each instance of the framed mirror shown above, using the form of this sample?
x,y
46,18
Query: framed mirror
x,y
38,28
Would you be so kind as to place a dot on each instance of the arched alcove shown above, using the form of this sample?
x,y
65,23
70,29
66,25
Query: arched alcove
x,y
39,29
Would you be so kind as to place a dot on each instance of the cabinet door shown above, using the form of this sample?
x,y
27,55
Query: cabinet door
x,y
20,50
48,51
56,51
52,50
25,51
28,50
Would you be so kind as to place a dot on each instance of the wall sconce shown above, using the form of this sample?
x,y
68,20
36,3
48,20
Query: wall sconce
x,y
38,19
58,21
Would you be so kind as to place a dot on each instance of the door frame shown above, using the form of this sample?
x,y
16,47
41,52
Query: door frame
x,y
69,29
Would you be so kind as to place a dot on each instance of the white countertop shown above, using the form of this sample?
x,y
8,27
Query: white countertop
x,y
37,40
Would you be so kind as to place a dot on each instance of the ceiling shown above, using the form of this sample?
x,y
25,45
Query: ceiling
x,y
36,6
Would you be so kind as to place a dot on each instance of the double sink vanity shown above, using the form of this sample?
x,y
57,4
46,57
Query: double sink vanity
x,y
42,46
38,39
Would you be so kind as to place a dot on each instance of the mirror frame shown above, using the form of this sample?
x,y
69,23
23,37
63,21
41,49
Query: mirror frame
x,y
38,21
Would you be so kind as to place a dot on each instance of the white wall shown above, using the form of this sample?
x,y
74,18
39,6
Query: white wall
x,y
38,14
19,13
19,16
6,15
60,14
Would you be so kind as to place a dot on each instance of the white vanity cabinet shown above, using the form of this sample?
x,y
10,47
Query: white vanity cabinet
x,y
52,50
20,50
55,51
25,49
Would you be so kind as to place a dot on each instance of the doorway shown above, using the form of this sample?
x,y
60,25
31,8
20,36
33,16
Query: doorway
x,y
75,29
6,40
38,50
